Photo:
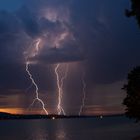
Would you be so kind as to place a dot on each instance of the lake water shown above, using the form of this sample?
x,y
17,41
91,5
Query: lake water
x,y
108,128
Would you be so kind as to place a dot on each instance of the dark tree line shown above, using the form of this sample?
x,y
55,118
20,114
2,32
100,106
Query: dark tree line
x,y
134,11
132,100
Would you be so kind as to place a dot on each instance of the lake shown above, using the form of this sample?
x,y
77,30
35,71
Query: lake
x,y
107,128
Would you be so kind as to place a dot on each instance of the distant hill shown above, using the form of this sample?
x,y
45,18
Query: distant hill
x,y
4,114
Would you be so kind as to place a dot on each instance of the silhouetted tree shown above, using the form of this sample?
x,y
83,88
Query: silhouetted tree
x,y
132,100
135,10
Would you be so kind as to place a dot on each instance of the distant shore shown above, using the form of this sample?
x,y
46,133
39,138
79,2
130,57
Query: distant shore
x,y
8,116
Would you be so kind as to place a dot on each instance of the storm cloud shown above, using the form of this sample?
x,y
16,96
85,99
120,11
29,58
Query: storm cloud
x,y
64,55
94,34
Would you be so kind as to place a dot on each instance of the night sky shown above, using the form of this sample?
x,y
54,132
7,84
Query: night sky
x,y
92,38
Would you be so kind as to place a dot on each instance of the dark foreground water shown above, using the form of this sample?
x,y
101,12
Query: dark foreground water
x,y
108,128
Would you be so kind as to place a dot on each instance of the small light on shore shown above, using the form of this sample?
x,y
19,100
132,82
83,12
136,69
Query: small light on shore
x,y
53,118
101,117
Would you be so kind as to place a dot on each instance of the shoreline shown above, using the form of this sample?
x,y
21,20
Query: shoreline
x,y
7,116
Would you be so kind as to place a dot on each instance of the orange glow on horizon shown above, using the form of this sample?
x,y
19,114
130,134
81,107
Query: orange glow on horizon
x,y
12,110
20,111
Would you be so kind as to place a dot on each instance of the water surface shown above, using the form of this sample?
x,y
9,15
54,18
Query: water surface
x,y
108,128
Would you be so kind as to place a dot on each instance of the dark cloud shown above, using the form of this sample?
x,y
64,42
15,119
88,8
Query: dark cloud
x,y
90,29
111,42
28,21
108,43
60,55
33,25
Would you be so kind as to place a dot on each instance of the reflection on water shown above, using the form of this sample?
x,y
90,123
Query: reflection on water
x,y
40,135
44,135
60,135
111,128
55,131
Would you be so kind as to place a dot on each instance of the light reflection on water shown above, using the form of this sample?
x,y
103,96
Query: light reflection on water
x,y
44,135
72,129
61,135
40,135
47,131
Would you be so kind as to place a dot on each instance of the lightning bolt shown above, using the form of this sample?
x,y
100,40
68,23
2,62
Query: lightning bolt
x,y
84,93
33,81
64,77
60,83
